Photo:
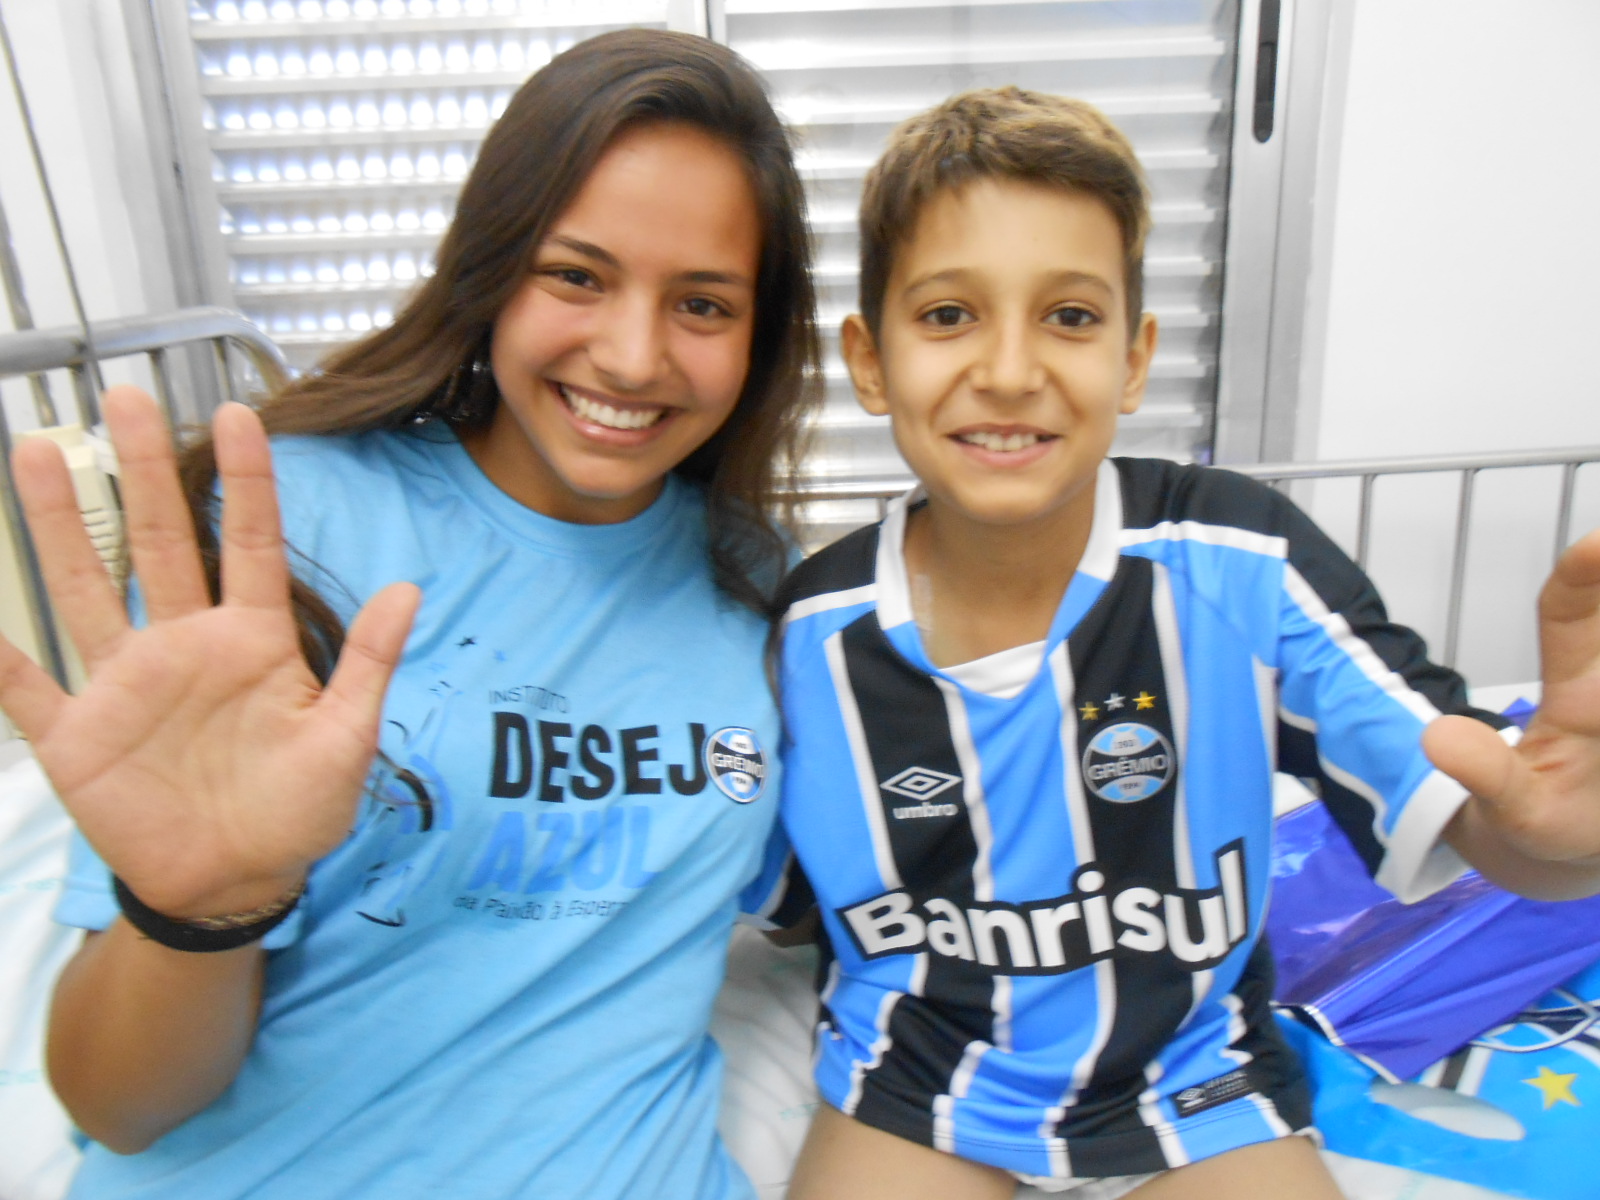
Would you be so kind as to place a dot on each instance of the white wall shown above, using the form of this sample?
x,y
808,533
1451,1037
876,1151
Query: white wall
x,y
1458,290
78,79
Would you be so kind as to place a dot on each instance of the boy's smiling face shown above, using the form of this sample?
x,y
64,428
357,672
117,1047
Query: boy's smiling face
x,y
1003,354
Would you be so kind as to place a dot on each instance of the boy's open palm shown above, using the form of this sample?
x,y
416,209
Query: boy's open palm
x,y
1543,796
202,760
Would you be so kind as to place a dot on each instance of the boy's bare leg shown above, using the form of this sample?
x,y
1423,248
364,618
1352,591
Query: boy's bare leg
x,y
843,1158
1264,1171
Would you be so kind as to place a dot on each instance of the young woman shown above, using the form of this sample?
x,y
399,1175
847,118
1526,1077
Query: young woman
x,y
481,963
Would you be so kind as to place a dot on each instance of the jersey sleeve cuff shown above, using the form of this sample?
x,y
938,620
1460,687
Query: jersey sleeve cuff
x,y
1418,862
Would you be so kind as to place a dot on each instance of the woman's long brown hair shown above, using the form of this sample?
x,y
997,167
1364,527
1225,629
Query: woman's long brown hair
x,y
531,165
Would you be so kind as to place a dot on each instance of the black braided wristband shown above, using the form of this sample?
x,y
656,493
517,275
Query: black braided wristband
x,y
208,934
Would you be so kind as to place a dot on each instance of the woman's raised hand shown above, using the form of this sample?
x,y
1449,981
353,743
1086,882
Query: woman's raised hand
x,y
202,760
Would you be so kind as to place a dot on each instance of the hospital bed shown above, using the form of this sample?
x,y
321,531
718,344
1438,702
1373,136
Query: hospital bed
x,y
766,1011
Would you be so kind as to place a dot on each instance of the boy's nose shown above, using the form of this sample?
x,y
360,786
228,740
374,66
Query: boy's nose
x,y
1009,366
629,344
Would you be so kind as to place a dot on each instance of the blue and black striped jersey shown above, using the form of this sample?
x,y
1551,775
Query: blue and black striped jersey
x,y
1044,906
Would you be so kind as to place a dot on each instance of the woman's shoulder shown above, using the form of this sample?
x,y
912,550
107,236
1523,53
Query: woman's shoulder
x,y
392,452
364,468
338,486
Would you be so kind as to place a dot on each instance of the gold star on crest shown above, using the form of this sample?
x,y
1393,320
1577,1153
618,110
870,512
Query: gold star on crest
x,y
1144,700
1554,1087
1090,711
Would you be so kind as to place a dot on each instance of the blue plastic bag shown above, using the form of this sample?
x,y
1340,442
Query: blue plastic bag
x,y
1516,1110
1404,985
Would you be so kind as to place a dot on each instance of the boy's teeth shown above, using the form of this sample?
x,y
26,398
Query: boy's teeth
x,y
1000,442
604,414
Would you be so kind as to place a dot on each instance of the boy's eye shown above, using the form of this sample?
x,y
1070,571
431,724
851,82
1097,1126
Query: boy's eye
x,y
946,316
1072,317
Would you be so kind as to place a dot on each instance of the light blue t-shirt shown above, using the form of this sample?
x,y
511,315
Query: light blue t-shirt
x,y
499,986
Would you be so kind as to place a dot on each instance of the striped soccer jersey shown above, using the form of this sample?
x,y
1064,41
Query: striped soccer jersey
x,y
1044,906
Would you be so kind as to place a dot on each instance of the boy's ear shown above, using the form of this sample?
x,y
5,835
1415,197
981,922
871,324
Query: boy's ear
x,y
860,352
1141,349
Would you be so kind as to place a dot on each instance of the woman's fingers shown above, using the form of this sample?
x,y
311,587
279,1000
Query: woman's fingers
x,y
372,648
29,696
160,528
255,572
79,586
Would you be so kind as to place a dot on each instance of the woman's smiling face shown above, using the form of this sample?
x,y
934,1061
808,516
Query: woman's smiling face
x,y
628,344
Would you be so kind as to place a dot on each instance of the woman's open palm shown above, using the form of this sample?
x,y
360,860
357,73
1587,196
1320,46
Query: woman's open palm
x,y
202,760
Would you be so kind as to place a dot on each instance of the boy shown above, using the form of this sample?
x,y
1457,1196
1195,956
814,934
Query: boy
x,y
1035,713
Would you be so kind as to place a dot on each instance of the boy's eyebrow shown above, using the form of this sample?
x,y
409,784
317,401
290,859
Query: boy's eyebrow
x,y
963,274
601,254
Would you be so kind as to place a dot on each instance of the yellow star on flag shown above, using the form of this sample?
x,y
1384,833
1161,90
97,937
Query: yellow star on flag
x,y
1144,700
1554,1087
1089,711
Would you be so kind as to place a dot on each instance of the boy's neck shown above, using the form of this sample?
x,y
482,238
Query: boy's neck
x,y
979,589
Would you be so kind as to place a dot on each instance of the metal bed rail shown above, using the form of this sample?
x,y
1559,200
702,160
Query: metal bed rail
x,y
1468,467
1368,471
32,353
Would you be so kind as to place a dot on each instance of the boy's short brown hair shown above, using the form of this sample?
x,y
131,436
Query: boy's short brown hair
x,y
1000,133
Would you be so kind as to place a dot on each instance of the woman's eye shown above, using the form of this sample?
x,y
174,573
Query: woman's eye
x,y
1072,317
572,276
946,316
700,306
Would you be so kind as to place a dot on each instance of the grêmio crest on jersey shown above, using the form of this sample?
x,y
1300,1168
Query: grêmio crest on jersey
x,y
736,763
1128,761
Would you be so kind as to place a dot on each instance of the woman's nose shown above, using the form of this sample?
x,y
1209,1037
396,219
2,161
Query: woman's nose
x,y
629,344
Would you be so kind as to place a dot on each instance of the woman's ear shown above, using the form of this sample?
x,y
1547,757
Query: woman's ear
x,y
860,352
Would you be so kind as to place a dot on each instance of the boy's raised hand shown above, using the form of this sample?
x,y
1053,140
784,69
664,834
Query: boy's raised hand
x,y
202,760
1540,800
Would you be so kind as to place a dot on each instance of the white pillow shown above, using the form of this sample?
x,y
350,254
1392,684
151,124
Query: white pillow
x,y
37,1155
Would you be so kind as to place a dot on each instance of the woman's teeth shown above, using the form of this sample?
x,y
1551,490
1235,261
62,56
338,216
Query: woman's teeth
x,y
1000,442
604,414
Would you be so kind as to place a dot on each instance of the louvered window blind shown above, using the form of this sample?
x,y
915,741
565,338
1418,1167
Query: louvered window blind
x,y
340,131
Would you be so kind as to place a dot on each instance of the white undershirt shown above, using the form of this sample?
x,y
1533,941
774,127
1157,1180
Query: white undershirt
x,y
1001,675
1006,674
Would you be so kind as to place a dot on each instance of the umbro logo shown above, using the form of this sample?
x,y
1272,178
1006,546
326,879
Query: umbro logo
x,y
920,783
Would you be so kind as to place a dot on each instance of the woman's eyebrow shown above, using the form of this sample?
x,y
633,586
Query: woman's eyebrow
x,y
731,278
602,255
587,249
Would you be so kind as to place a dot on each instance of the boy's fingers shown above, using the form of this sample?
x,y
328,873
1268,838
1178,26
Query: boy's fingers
x,y
254,570
161,537
371,652
79,586
1569,613
1472,754
29,696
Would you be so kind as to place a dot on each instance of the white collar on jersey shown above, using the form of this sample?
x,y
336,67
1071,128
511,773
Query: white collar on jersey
x,y
1004,674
